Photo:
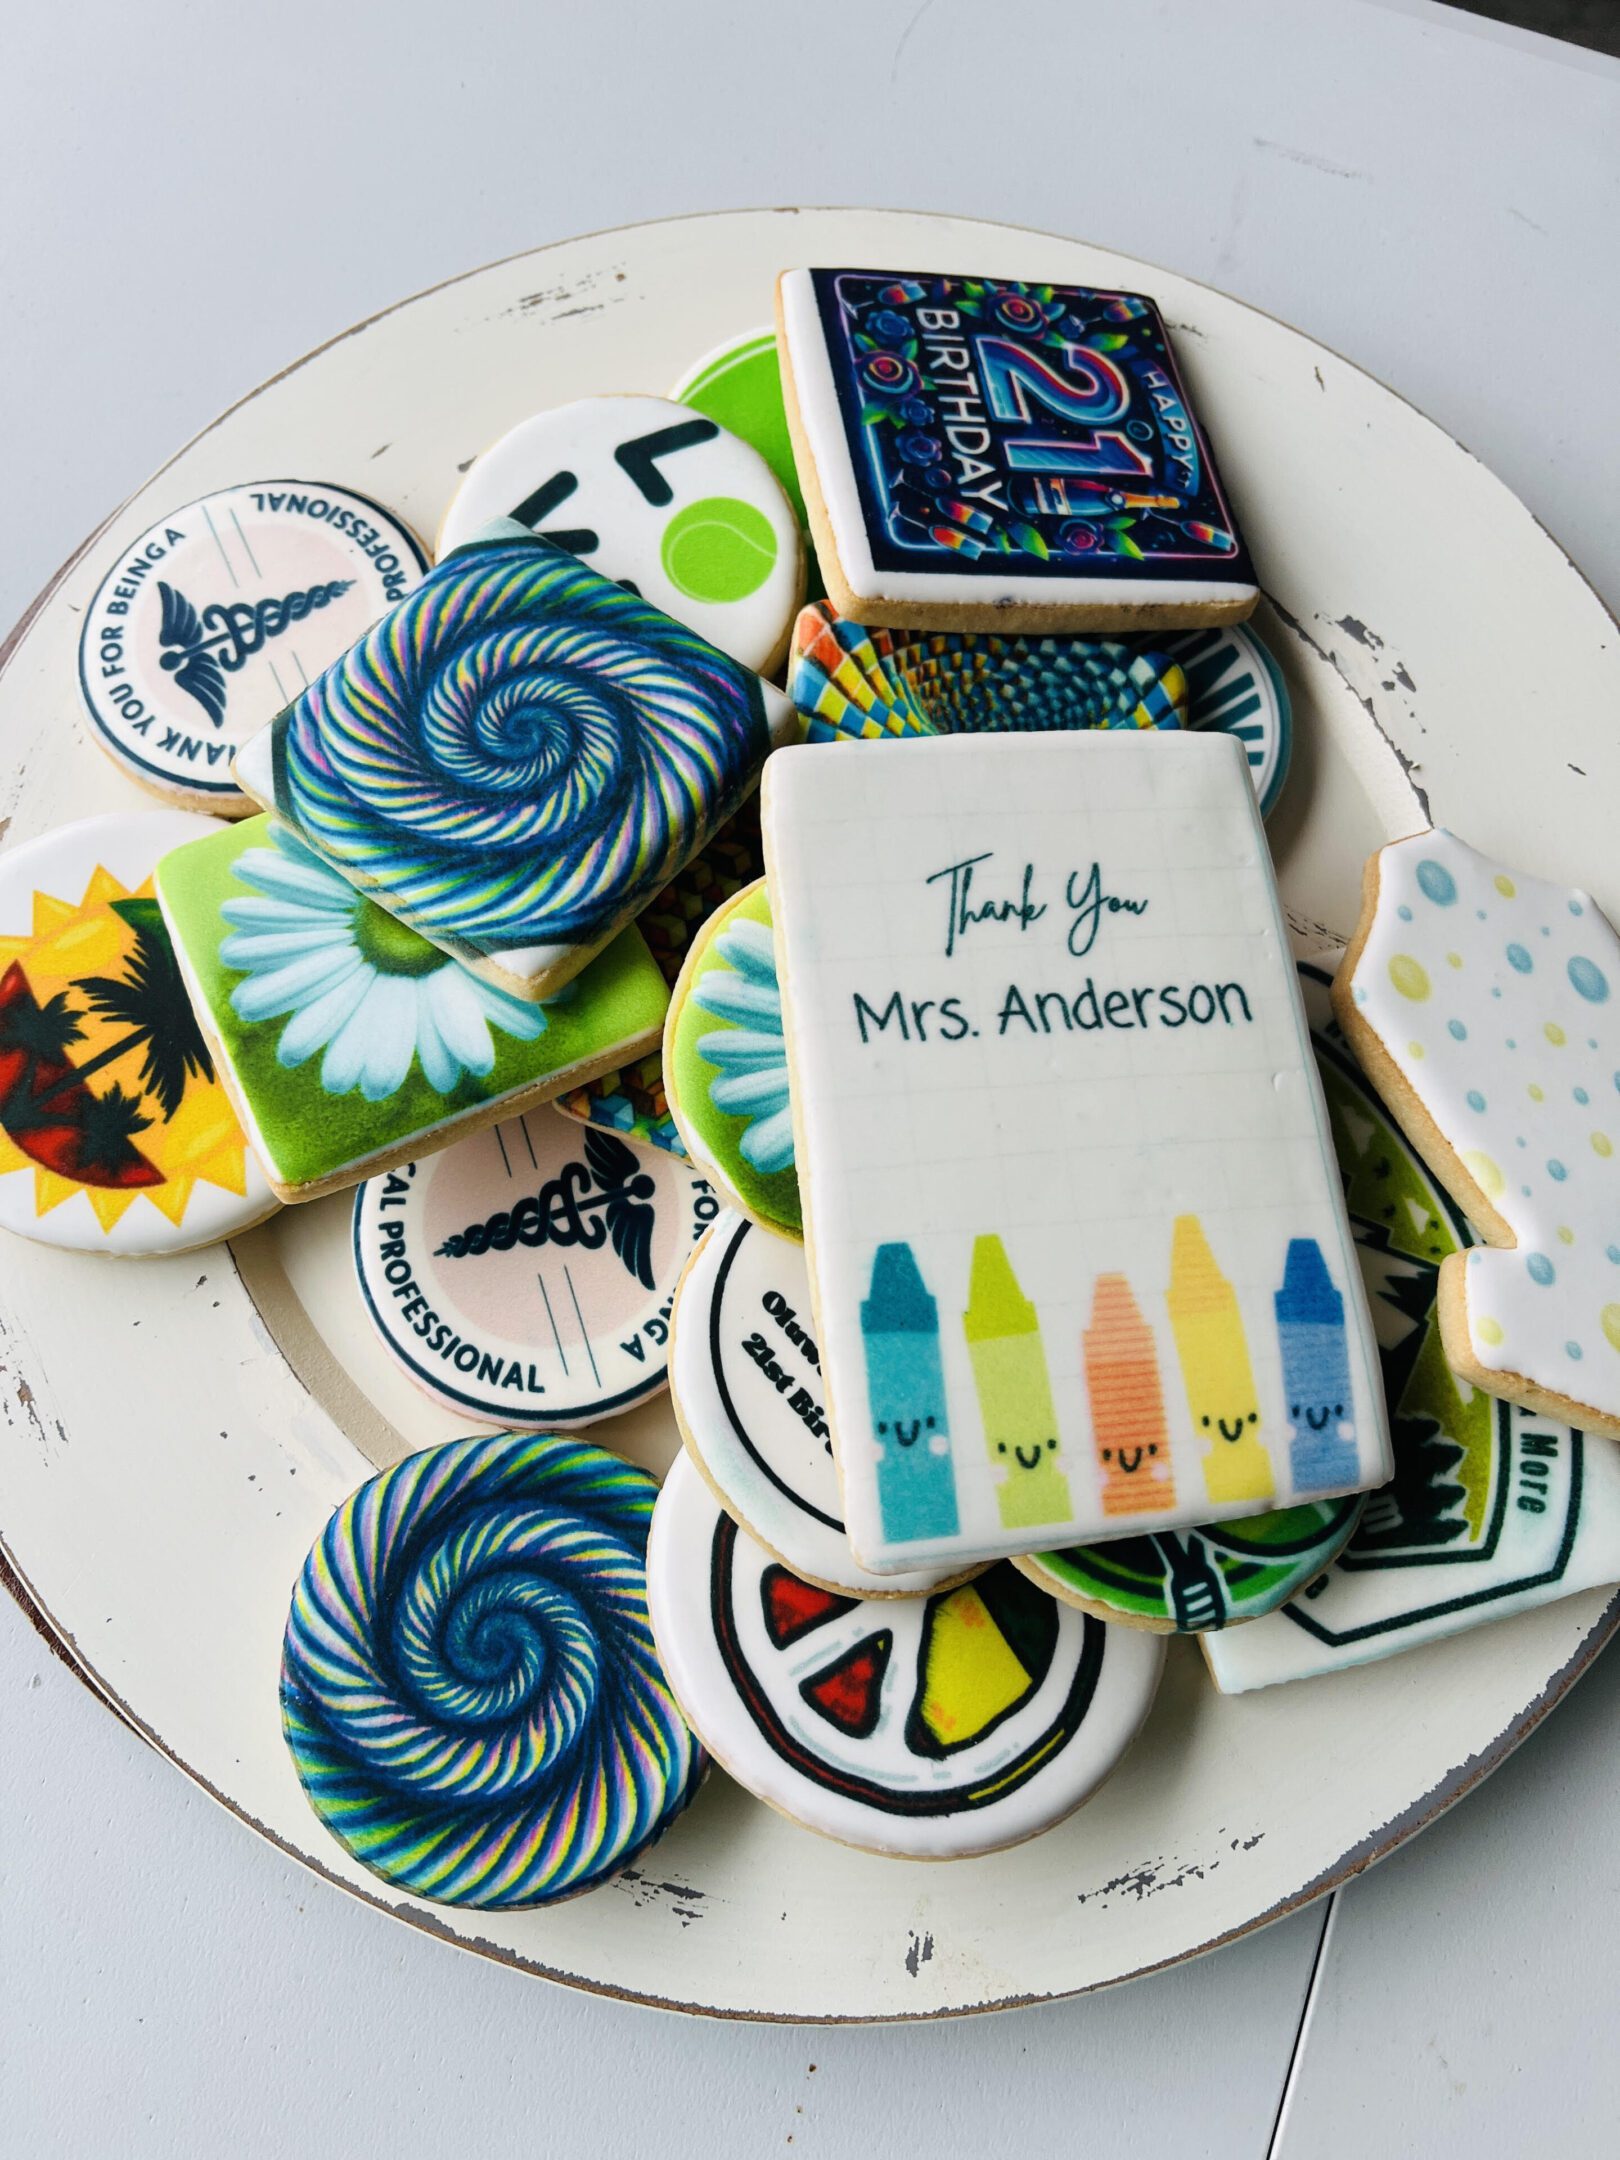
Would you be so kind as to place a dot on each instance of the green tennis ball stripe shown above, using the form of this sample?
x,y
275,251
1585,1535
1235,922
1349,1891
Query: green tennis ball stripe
x,y
718,549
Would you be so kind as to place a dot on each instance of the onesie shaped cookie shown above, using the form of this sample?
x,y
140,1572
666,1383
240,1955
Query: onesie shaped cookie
x,y
517,759
1063,1165
985,454
1483,1005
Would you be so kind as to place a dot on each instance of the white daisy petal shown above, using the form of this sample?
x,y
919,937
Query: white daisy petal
x,y
391,1038
291,876
317,1023
458,1011
513,1016
440,1067
257,912
284,988
345,1058
259,949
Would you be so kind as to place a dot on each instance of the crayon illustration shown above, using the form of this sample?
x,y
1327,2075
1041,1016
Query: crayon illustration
x,y
1127,1403
1316,1373
1215,1369
905,1385
1015,1392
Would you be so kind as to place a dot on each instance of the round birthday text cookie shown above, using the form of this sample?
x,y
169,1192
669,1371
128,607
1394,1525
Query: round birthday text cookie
x,y
469,1686
1186,1582
525,1275
928,1727
725,1064
220,614
115,1133
660,498
745,1378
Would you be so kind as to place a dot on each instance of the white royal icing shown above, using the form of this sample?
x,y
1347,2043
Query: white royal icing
x,y
926,1727
145,1154
700,527
745,1375
1496,996
1068,1185
525,1275
221,613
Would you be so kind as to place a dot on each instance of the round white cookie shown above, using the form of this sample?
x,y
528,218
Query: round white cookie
x,y
115,1133
926,1727
659,498
220,614
745,1379
525,1275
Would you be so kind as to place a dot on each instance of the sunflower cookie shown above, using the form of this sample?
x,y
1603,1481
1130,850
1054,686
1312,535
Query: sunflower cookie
x,y
525,1275
219,614
745,1381
1493,1509
658,497
1066,1173
725,1064
469,1686
985,454
1482,1005
344,1040
116,1135
517,759
926,1727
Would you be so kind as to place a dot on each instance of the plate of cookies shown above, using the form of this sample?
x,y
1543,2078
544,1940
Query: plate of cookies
x,y
845,992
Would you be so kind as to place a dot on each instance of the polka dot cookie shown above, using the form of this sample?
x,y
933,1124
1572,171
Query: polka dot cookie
x,y
1485,1007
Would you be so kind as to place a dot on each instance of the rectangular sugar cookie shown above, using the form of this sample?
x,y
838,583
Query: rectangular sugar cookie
x,y
989,454
346,1042
1079,1254
517,758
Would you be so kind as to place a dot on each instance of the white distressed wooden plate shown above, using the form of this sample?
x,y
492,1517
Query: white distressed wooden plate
x,y
176,1432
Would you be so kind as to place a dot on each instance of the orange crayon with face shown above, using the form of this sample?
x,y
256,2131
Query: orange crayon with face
x,y
1129,1426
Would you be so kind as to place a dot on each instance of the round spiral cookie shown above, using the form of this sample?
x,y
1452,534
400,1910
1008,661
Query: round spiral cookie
x,y
469,1685
520,752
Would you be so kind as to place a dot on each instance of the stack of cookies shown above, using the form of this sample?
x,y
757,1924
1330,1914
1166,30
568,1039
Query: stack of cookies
x,y
907,1067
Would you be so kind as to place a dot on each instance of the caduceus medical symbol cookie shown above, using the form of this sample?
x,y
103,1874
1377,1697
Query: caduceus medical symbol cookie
x,y
565,1211
1482,1004
203,646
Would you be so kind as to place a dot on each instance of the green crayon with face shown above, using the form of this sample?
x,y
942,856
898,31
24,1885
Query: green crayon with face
x,y
1015,1393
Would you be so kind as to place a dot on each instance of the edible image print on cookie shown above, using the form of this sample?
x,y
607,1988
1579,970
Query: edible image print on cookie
x,y
987,454
658,497
745,1379
740,385
517,759
115,1133
526,1275
1483,1005
1189,1582
469,1686
1052,1085
930,1727
726,1064
343,1039
853,684
1493,1508
220,614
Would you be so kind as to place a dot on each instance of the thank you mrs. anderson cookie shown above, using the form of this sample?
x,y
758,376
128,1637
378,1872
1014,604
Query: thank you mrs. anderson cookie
x,y
220,614
525,1275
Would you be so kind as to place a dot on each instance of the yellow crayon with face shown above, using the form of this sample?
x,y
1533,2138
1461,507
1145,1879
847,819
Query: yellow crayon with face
x,y
1215,1368
1015,1392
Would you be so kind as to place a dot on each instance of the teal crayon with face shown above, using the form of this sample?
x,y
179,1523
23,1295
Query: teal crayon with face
x,y
1316,1373
905,1384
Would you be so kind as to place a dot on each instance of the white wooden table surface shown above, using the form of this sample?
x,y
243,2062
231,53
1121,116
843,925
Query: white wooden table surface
x,y
189,197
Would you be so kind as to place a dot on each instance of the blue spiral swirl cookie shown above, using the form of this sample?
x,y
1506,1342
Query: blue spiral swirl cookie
x,y
516,758
469,1685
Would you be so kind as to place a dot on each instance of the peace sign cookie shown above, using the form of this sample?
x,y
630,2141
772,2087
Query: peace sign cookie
x,y
926,1727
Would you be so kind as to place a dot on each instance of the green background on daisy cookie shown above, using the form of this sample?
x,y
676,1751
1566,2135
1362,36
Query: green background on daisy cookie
x,y
613,1007
771,1196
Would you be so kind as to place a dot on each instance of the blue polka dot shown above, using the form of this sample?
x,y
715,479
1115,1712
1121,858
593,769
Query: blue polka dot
x,y
1480,913
1575,908
1456,1030
1436,882
1555,1169
1520,1142
1519,959
1614,1254
1590,981
1572,1349
1512,1045
1476,1100
1581,1096
1361,999
1541,1269
1525,1190
1405,913
1545,931
1494,991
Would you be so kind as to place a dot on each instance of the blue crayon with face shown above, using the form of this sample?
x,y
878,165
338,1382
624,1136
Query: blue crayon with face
x,y
905,1385
1316,1373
